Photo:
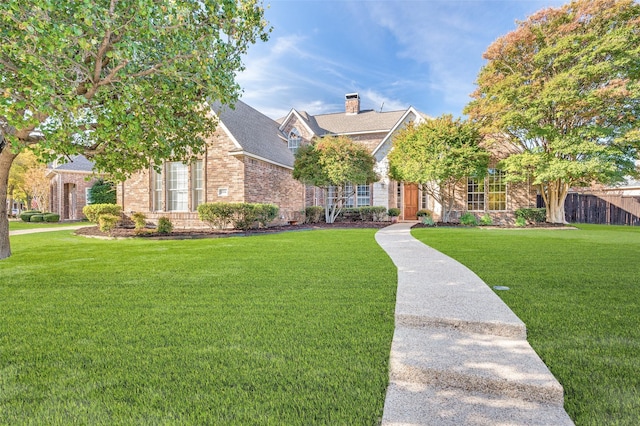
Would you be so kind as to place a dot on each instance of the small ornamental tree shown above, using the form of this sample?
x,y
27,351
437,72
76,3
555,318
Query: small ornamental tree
x,y
563,92
102,192
439,155
331,163
124,82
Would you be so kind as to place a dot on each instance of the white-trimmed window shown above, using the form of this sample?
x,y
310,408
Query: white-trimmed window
x,y
178,187
424,200
363,195
197,184
294,140
399,195
157,191
475,194
348,191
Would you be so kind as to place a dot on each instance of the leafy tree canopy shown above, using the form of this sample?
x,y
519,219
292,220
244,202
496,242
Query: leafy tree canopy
x,y
124,82
563,89
438,154
334,162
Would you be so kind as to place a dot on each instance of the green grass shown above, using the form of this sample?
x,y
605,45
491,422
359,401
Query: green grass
x,y
578,291
291,328
18,225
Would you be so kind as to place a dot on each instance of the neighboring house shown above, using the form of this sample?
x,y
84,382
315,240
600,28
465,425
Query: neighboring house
x,y
246,160
70,182
376,131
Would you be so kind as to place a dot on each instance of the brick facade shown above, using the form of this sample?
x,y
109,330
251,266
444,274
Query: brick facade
x,y
229,176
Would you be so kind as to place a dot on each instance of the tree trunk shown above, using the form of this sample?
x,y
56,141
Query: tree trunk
x,y
555,196
6,159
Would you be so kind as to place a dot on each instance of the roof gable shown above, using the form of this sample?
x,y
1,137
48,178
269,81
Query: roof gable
x,y
76,163
254,133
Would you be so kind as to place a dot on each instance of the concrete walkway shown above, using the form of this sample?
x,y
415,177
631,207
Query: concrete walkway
x,y
459,355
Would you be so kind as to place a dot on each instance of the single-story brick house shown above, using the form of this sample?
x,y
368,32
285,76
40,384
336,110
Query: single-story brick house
x,y
250,159
246,160
70,182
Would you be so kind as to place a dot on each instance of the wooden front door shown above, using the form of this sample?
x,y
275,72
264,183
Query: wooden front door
x,y
410,201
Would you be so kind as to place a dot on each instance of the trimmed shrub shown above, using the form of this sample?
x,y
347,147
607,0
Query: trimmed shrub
x,y
372,213
313,214
94,211
394,212
25,216
217,215
240,215
38,217
164,225
107,222
423,213
486,220
532,215
245,216
469,219
266,213
520,222
51,217
139,221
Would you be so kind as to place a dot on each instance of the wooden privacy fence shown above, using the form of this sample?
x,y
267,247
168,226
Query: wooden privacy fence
x,y
602,209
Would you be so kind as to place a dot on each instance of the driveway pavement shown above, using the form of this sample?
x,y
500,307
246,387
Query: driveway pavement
x,y
459,355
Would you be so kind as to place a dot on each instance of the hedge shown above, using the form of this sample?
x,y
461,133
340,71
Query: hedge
x,y
25,216
239,215
51,217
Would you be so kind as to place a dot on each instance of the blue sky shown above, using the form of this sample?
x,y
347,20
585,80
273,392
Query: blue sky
x,y
394,53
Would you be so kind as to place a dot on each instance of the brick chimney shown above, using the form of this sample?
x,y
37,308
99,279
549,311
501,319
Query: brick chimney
x,y
352,103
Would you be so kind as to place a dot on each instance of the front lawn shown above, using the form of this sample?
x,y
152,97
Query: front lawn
x,y
292,328
578,291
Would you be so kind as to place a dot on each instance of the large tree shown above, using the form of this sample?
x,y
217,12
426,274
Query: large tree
x,y
438,154
124,82
563,89
334,164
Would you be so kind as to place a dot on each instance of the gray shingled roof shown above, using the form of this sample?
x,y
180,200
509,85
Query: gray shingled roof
x,y
365,121
76,163
255,132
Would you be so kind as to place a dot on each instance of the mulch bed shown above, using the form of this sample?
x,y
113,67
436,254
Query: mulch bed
x,y
121,232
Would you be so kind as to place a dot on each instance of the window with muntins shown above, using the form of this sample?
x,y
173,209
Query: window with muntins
x,y
197,184
294,140
475,194
157,191
363,195
497,189
489,193
177,186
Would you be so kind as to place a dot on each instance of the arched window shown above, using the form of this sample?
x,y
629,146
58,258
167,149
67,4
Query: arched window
x,y
294,140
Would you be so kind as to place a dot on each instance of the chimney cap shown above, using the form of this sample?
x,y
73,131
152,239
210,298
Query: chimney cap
x,y
352,96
